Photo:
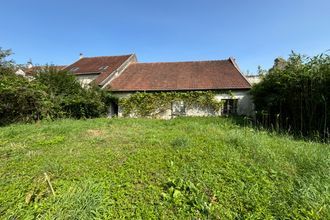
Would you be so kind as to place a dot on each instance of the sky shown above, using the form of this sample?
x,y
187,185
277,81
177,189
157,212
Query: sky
x,y
254,32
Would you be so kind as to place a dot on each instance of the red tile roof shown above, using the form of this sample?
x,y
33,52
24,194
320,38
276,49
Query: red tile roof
x,y
93,65
35,69
199,75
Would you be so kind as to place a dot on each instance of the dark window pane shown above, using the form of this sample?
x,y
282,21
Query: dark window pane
x,y
178,108
229,106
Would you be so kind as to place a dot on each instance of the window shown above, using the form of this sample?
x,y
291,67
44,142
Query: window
x,y
178,108
229,107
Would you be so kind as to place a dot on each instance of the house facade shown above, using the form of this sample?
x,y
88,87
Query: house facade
x,y
124,76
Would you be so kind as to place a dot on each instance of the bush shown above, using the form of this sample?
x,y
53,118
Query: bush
x,y
58,82
69,97
52,94
295,96
82,106
21,100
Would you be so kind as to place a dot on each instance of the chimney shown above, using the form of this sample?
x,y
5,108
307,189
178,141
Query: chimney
x,y
81,55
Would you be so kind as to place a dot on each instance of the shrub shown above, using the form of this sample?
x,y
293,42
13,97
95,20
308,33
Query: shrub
x,y
69,97
52,94
82,106
21,100
295,95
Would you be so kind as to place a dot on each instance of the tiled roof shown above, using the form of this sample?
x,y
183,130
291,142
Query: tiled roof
x,y
35,69
103,66
199,75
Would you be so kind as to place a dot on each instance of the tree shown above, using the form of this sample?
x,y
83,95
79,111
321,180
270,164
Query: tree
x,y
294,95
22,100
6,66
69,97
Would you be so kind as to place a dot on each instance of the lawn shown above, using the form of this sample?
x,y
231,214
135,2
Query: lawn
x,y
176,169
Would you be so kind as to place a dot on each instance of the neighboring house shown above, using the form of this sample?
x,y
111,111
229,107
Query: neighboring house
x,y
253,79
20,72
29,71
100,70
123,75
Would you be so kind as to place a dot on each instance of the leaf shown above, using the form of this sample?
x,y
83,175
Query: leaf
x,y
176,194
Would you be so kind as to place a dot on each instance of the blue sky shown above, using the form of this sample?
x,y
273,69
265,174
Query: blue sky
x,y
254,32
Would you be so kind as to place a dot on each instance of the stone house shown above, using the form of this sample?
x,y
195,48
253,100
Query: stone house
x,y
124,76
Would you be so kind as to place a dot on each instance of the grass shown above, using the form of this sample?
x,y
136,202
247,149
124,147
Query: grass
x,y
142,168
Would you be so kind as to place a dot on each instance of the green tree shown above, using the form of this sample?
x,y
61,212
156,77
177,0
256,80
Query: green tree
x,y
69,97
294,95
22,100
6,66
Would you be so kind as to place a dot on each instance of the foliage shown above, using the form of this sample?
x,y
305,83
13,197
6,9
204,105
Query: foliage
x,y
180,142
295,95
58,82
183,194
86,105
152,104
21,100
6,66
4,54
128,168
69,97
52,94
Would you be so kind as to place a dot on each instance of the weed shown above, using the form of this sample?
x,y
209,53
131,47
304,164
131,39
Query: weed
x,y
180,142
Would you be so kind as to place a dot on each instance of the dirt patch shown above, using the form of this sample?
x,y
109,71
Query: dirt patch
x,y
95,132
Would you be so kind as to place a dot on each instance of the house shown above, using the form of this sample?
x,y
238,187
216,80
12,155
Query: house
x,y
100,70
124,76
29,70
254,79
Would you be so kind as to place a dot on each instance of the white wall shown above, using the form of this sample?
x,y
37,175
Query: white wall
x,y
20,72
253,79
244,106
86,78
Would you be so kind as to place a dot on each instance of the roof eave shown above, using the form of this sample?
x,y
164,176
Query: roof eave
x,y
177,90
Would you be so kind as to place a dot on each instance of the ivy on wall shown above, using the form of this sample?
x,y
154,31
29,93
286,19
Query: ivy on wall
x,y
151,104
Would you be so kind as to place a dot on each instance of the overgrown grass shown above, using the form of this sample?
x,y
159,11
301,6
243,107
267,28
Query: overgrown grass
x,y
143,168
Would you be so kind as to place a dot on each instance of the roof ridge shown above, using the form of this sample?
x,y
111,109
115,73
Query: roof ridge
x,y
194,61
110,56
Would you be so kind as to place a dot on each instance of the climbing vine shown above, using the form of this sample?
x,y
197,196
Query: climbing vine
x,y
151,104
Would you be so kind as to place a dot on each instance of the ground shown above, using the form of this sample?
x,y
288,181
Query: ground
x,y
142,168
